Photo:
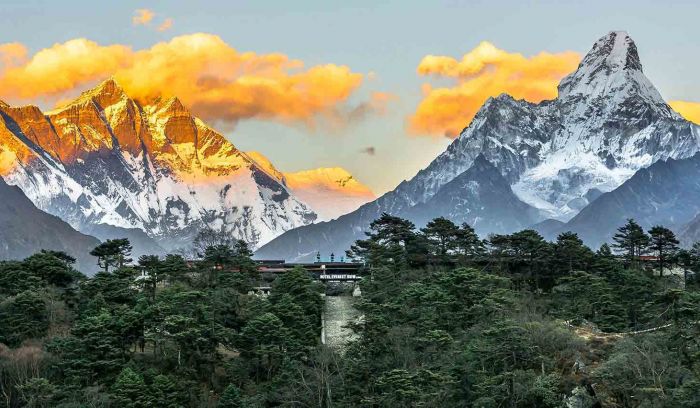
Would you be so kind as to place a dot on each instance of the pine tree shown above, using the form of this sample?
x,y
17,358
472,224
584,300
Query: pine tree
x,y
130,391
164,392
468,244
664,244
112,253
22,317
631,240
570,253
533,252
217,258
441,235
390,241
175,269
231,398
151,268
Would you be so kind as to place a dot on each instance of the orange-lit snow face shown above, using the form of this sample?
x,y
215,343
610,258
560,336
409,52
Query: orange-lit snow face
x,y
334,178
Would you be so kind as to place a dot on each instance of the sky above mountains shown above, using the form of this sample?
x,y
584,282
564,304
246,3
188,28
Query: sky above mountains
x,y
379,89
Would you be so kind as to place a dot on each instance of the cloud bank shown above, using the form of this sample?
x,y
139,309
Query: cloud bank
x,y
218,82
484,72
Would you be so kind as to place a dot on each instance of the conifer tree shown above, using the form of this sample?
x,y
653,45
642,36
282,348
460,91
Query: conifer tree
x,y
112,253
441,235
664,244
570,253
389,242
231,398
631,241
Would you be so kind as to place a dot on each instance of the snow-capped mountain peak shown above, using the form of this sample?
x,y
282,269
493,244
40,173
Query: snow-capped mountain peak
x,y
105,158
612,55
611,72
607,122
105,94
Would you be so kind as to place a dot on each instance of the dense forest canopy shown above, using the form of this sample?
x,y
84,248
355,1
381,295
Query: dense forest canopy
x,y
448,320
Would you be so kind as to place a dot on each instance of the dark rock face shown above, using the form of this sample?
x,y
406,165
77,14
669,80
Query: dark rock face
x,y
480,197
667,193
25,230
142,243
689,233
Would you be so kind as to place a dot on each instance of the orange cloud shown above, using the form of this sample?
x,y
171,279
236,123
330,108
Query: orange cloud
x,y
12,54
142,16
484,72
53,71
166,25
689,110
216,81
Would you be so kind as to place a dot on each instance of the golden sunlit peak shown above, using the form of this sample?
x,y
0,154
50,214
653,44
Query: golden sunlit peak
x,y
105,93
334,178
265,164
108,86
172,105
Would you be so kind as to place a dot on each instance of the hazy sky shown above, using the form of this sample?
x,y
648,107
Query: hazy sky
x,y
384,43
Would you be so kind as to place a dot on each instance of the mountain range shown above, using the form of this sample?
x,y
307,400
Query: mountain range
x,y
607,148
607,123
151,171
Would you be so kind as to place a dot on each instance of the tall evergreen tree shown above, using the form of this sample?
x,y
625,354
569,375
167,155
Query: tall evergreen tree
x,y
570,253
532,252
391,241
130,390
441,235
468,244
151,267
113,253
631,240
664,244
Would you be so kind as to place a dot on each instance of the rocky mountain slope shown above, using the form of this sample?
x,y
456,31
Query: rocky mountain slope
x,y
666,193
689,233
480,197
24,230
108,159
607,122
142,243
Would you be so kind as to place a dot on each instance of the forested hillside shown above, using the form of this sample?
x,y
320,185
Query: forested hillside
x,y
448,320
